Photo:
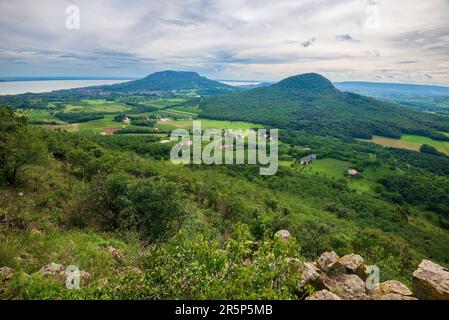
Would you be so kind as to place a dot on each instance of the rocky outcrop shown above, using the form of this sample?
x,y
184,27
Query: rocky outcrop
x,y
344,278
431,281
354,264
323,295
327,261
311,275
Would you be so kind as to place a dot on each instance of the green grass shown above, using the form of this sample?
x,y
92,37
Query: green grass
x,y
442,146
207,124
97,126
329,167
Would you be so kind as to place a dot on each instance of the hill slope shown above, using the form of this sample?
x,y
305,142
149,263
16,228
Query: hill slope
x,y
311,102
174,80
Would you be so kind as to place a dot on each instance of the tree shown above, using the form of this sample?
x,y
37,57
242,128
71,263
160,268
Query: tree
x,y
19,146
425,148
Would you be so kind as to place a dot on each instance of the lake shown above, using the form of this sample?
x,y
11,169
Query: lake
x,y
16,87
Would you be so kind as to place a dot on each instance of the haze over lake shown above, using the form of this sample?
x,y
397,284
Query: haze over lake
x,y
17,87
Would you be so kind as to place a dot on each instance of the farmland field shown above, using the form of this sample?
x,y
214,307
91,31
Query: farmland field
x,y
411,142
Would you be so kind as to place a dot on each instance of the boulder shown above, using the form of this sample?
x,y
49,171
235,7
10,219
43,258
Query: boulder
x,y
323,295
353,263
396,287
116,253
431,281
6,273
283,235
395,296
327,261
348,287
310,275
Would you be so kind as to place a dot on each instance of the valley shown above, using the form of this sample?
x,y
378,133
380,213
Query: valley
x,y
101,178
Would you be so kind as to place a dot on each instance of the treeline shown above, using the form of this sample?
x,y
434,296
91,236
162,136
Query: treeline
x,y
76,117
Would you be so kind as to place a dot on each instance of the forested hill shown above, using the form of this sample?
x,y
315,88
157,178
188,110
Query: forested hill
x,y
174,80
311,102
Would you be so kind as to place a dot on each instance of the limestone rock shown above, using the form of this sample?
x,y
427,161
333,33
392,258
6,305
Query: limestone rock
x,y
431,281
6,273
349,287
395,296
355,264
116,253
396,287
327,260
310,275
283,235
323,295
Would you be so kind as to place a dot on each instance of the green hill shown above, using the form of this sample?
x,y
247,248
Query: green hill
x,y
174,80
311,102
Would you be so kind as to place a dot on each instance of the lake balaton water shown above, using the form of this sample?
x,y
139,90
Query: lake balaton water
x,y
16,87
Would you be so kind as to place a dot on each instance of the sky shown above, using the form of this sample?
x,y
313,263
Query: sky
x,y
345,40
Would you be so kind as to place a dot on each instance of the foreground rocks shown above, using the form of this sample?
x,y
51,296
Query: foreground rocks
x,y
431,281
344,278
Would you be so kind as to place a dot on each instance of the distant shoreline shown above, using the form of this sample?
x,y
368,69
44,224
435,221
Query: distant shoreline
x,y
22,79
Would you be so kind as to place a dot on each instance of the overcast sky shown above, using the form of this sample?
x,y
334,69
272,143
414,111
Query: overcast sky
x,y
374,40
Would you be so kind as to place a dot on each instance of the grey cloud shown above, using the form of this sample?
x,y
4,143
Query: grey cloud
x,y
346,37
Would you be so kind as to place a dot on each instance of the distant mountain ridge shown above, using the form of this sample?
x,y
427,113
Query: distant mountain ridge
x,y
311,102
377,88
174,80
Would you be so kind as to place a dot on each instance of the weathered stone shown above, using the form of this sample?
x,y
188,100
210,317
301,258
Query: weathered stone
x,y
353,263
116,253
6,273
327,260
283,235
310,275
396,287
431,281
323,295
395,296
52,269
350,286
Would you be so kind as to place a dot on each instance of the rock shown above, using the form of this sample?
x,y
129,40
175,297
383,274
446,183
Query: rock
x,y
116,253
283,235
323,295
431,281
327,260
350,287
20,194
52,269
391,290
395,296
310,275
353,263
396,287
6,273
84,276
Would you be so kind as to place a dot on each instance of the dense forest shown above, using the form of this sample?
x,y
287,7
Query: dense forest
x,y
311,102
